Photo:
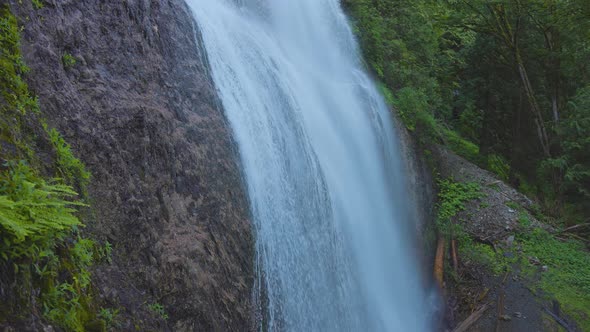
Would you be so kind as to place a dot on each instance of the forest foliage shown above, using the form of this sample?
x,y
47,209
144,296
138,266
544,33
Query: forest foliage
x,y
506,85
503,83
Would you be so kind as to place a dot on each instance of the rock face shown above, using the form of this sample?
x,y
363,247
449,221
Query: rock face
x,y
490,219
140,109
421,189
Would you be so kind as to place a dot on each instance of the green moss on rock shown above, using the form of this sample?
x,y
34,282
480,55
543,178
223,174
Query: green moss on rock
x,y
41,248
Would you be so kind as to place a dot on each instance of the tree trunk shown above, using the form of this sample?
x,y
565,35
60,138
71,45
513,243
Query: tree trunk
x,y
528,89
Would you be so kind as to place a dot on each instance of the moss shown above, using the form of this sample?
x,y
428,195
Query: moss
x,y
568,276
452,197
15,99
41,244
68,60
37,4
461,146
524,219
483,254
159,310
513,205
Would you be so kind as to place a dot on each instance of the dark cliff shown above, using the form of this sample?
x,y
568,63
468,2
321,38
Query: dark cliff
x,y
140,110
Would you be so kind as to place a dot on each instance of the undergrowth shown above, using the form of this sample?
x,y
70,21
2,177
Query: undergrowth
x,y
43,255
481,254
159,310
568,276
461,146
452,197
34,214
70,167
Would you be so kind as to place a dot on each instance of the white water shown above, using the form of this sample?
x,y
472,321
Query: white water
x,y
321,165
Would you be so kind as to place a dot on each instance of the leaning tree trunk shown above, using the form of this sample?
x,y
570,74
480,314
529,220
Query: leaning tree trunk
x,y
509,35
537,114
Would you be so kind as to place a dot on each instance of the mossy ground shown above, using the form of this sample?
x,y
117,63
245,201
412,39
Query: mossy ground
x,y
556,268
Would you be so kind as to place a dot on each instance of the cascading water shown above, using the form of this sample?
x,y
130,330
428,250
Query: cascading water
x,y
321,164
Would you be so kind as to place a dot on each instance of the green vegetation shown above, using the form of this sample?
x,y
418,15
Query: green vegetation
x,y
34,215
567,278
159,310
483,254
504,84
68,60
42,251
461,146
15,99
109,316
568,275
452,197
70,167
498,165
69,304
37,4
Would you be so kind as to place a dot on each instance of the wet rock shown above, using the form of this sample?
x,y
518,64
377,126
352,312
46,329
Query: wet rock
x,y
510,241
421,189
140,109
534,260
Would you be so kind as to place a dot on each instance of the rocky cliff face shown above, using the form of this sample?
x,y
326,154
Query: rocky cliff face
x,y
140,109
421,188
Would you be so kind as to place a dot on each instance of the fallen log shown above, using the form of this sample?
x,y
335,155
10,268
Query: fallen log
x,y
439,262
500,311
474,317
454,254
559,320
571,228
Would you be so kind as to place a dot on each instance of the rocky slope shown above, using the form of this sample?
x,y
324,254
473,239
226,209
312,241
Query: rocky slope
x,y
139,108
504,259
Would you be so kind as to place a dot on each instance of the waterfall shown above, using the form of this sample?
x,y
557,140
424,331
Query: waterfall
x,y
321,165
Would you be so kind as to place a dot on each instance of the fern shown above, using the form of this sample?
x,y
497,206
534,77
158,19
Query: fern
x,y
48,262
71,167
33,213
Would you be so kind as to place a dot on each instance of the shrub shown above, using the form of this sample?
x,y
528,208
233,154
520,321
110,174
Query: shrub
x,y
461,146
410,102
498,165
